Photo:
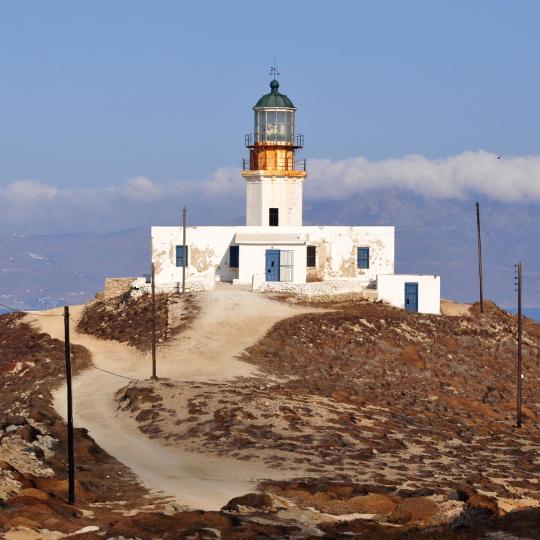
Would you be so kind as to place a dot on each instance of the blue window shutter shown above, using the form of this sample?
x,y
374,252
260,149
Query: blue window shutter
x,y
234,256
180,255
362,258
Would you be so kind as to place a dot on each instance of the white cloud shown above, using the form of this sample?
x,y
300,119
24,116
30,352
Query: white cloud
x,y
219,198
224,181
141,188
29,191
510,179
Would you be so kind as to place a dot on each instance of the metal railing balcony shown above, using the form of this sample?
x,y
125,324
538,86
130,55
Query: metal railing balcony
x,y
280,165
296,140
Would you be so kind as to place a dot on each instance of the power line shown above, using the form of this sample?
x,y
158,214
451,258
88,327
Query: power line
x,y
115,374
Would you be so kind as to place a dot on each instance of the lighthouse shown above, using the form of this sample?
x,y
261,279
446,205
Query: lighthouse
x,y
274,176
274,251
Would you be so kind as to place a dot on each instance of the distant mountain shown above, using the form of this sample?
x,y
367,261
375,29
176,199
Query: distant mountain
x,y
433,236
40,271
439,237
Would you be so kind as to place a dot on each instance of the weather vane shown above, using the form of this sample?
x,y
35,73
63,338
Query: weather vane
x,y
274,71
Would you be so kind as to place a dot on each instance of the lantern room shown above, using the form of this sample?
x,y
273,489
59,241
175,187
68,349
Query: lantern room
x,y
274,118
274,141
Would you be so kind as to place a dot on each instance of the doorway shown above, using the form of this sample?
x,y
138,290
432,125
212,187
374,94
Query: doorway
x,y
272,265
411,297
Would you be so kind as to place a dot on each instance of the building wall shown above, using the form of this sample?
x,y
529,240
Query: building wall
x,y
265,192
208,248
391,289
336,252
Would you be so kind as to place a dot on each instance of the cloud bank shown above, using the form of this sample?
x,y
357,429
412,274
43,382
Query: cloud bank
x,y
483,173
220,197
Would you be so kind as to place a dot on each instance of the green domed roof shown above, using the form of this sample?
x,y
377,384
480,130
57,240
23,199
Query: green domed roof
x,y
274,98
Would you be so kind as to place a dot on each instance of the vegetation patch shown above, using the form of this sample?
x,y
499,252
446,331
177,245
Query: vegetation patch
x,y
129,320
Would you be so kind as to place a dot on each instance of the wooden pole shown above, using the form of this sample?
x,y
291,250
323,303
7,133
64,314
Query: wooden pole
x,y
154,322
71,453
184,249
480,270
520,341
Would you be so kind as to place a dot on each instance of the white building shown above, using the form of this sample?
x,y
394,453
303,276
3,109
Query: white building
x,y
274,250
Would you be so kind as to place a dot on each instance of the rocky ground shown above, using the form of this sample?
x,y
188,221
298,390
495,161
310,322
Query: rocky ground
x,y
121,318
33,440
375,396
400,426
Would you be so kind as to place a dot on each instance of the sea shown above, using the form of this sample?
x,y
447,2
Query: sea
x,y
532,313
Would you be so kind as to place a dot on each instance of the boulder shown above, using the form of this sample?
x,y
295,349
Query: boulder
x,y
250,500
15,420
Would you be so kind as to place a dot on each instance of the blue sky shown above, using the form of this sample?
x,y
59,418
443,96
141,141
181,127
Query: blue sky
x,y
97,92
115,114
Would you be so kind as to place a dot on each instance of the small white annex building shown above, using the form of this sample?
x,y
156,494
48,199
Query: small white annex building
x,y
274,251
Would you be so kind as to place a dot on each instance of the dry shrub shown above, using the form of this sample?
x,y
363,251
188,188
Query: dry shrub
x,y
419,510
411,356
373,503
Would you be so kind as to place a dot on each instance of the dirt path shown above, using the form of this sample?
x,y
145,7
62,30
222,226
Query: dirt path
x,y
230,320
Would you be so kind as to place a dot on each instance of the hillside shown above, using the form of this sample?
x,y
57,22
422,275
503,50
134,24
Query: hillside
x,y
370,394
354,420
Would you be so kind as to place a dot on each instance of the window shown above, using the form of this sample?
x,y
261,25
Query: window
x,y
180,255
311,256
362,258
234,252
273,217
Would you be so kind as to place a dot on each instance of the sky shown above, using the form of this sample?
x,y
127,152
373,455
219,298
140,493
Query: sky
x,y
115,114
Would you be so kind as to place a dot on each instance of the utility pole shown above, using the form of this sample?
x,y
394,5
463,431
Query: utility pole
x,y
184,249
480,270
520,341
154,318
71,453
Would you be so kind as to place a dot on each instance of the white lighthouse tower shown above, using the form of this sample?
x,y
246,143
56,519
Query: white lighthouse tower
x,y
273,177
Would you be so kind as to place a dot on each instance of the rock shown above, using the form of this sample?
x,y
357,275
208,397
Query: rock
x,y
411,356
87,529
251,500
202,533
34,492
484,504
459,495
373,503
420,492
15,420
23,521
28,433
417,510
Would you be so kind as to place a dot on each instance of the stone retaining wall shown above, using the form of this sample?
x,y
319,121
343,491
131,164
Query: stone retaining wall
x,y
116,286
318,289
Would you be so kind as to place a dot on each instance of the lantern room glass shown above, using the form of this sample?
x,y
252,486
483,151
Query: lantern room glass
x,y
274,125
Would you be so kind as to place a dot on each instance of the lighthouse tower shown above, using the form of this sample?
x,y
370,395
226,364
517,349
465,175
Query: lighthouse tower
x,y
273,177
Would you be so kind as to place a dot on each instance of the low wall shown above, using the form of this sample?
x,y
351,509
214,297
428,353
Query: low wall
x,y
200,283
315,289
116,287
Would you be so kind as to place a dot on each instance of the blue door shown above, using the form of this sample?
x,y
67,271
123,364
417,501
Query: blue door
x,y
272,265
411,296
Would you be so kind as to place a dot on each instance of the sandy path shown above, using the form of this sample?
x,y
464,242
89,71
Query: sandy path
x,y
230,320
